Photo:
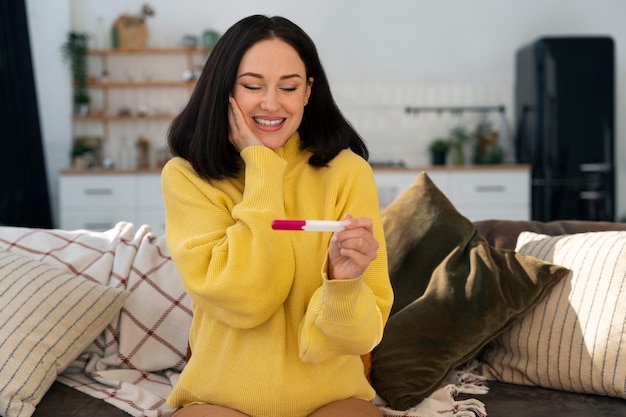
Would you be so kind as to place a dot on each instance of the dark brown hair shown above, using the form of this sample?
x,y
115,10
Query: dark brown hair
x,y
199,133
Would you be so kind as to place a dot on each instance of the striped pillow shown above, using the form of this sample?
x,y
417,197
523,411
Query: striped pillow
x,y
574,339
47,318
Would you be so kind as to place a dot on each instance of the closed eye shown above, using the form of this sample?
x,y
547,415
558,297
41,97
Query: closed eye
x,y
257,88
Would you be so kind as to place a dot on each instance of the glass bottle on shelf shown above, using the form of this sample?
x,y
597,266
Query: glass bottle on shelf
x,y
143,150
101,34
125,155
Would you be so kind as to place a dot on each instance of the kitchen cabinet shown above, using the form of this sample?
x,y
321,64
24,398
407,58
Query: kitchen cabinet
x,y
98,200
478,192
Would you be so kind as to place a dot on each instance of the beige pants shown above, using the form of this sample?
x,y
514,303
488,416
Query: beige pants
x,y
352,407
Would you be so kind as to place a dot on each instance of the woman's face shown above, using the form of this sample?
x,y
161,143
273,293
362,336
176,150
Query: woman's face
x,y
271,90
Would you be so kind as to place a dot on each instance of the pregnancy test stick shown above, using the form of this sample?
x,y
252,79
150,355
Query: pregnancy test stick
x,y
309,225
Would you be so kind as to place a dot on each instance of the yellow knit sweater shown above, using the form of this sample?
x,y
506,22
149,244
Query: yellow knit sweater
x,y
271,335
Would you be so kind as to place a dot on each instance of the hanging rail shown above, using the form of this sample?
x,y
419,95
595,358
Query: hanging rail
x,y
458,110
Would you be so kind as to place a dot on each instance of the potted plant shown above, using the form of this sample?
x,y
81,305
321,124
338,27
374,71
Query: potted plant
x,y
79,151
486,148
459,136
75,51
438,151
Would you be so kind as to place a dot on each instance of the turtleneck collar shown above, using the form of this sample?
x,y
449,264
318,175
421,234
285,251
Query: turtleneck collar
x,y
291,148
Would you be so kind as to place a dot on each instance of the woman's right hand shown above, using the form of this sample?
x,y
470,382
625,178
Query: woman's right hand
x,y
240,134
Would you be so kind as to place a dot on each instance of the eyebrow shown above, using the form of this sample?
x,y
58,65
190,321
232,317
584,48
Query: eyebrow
x,y
255,75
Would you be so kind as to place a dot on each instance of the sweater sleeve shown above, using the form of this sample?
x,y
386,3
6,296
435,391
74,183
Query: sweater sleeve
x,y
347,317
218,237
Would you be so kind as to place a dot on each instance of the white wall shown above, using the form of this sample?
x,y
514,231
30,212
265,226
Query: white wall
x,y
378,55
48,24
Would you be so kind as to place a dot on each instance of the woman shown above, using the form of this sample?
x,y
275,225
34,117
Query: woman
x,y
280,318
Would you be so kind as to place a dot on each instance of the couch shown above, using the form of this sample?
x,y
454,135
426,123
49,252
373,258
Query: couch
x,y
93,323
514,400
543,315
132,258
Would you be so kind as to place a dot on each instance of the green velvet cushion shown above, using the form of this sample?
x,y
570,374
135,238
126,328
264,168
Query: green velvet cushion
x,y
453,293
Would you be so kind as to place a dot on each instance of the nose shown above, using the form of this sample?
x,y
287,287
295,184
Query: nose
x,y
270,101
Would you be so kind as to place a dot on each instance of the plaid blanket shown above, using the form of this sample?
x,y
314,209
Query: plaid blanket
x,y
136,361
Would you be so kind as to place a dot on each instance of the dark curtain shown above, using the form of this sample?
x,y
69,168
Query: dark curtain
x,y
24,199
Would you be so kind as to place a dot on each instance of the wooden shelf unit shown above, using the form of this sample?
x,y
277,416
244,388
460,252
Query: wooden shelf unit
x,y
115,83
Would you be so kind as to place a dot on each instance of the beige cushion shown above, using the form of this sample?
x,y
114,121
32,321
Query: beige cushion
x,y
574,339
453,293
47,317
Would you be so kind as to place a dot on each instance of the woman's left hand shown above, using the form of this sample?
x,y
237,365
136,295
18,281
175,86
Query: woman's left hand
x,y
352,250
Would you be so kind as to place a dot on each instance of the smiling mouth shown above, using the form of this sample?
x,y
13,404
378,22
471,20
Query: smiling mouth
x,y
265,122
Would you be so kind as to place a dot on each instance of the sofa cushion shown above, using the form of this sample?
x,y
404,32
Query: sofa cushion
x,y
48,317
513,400
60,398
573,340
453,293
502,234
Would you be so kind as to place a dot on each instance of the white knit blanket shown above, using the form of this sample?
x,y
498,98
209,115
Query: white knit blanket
x,y
136,361
442,403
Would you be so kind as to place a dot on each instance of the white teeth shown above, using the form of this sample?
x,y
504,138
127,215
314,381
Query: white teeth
x,y
265,122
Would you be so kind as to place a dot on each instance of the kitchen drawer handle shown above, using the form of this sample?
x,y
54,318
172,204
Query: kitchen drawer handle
x,y
98,191
99,226
490,188
591,195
